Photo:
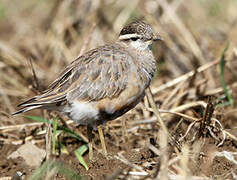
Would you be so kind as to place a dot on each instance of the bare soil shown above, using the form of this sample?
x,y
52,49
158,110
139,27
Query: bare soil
x,y
134,150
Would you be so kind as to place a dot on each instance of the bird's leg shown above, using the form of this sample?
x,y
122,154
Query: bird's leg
x,y
102,140
89,133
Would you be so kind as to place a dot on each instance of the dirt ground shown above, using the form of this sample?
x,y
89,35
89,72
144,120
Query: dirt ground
x,y
134,149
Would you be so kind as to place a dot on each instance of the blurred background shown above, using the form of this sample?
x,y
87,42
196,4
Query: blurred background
x,y
52,33
45,36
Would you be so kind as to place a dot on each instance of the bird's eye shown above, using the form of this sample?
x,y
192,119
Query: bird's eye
x,y
134,38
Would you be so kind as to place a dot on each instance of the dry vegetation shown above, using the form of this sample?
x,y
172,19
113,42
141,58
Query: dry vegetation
x,y
199,139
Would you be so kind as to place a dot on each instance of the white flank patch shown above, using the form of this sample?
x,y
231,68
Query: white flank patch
x,y
83,113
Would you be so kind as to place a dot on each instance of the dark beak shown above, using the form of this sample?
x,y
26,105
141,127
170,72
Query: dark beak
x,y
157,37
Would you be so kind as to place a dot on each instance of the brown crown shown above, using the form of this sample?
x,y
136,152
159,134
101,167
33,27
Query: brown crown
x,y
138,27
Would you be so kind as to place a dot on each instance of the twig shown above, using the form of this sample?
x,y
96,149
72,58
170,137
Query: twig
x,y
138,173
184,31
52,14
174,5
114,175
170,42
161,122
87,40
174,111
187,117
220,89
171,95
178,98
37,86
125,161
220,129
184,77
48,139
230,135
209,110
186,133
175,177
189,105
18,126
154,149
155,110
163,143
185,156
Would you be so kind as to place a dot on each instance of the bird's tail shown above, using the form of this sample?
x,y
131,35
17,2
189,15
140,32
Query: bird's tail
x,y
28,105
25,109
45,101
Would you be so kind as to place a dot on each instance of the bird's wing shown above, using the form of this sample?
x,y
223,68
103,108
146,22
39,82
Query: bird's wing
x,y
100,73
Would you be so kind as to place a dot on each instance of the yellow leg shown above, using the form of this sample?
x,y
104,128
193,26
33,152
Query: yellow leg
x,y
102,140
89,132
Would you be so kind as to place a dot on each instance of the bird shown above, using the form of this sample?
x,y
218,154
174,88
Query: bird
x,y
103,83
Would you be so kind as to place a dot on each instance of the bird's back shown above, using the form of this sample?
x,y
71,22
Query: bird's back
x,y
103,83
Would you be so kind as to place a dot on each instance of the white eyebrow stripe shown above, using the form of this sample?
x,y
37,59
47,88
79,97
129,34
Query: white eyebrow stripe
x,y
129,36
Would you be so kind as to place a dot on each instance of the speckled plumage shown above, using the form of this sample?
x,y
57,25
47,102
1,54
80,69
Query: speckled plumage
x,y
140,28
105,82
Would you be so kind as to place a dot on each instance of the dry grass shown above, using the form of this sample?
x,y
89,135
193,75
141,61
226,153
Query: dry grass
x,y
50,34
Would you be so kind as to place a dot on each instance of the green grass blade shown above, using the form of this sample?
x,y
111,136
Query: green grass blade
x,y
79,152
64,129
71,133
82,149
38,119
58,132
221,105
223,83
63,148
